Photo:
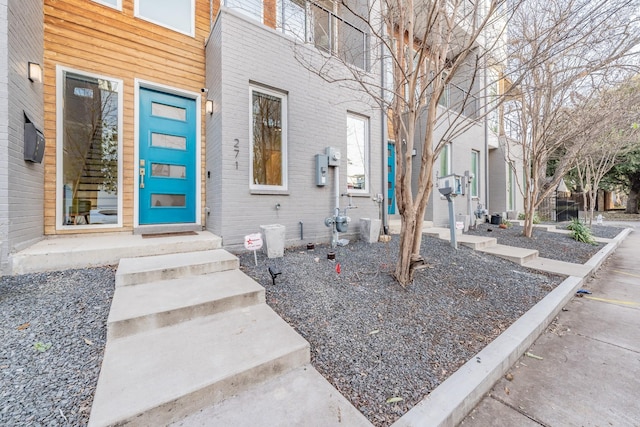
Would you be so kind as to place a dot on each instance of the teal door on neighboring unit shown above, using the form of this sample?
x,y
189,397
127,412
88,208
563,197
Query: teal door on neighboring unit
x,y
391,178
167,160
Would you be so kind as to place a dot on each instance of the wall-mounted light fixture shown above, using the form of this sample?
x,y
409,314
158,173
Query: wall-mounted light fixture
x,y
208,106
35,72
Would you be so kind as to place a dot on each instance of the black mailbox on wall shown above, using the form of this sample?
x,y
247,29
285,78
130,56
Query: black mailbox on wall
x,y
33,143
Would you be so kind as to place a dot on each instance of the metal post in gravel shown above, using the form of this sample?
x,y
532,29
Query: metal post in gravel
x,y
452,223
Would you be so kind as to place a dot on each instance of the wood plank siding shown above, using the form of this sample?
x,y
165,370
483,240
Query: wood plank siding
x,y
89,37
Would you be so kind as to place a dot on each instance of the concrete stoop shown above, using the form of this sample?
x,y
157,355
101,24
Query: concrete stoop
x,y
188,331
82,251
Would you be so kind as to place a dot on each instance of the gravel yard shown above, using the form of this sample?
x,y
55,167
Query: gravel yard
x,y
371,338
374,340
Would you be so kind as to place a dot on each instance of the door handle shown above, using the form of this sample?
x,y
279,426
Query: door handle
x,y
142,173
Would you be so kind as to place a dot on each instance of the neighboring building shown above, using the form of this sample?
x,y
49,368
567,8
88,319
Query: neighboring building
x,y
130,146
479,151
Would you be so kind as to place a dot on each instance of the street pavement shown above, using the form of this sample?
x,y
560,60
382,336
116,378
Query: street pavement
x,y
584,370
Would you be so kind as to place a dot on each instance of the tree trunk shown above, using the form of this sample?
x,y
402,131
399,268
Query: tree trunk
x,y
405,267
634,194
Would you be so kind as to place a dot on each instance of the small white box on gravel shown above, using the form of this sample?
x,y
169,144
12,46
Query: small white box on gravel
x,y
273,239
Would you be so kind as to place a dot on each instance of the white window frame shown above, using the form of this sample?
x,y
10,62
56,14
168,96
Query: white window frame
x,y
474,186
60,75
284,131
446,152
117,6
365,160
192,24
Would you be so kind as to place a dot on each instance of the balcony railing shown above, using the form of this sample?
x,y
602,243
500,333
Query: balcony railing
x,y
311,23
459,100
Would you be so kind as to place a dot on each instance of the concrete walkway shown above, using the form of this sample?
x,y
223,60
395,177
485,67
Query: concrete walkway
x,y
583,370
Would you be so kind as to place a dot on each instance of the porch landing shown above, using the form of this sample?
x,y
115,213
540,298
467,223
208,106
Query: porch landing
x,y
82,251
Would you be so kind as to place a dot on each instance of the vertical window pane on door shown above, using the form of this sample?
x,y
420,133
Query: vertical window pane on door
x,y
357,157
90,150
175,14
269,139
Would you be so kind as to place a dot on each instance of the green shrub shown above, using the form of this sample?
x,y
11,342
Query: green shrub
x,y
580,232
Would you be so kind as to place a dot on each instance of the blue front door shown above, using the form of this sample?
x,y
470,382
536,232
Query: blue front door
x,y
167,162
391,178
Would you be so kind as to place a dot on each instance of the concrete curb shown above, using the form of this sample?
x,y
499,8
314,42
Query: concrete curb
x,y
452,400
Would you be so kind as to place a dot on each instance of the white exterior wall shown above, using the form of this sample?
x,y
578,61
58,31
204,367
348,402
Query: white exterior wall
x,y
461,147
242,52
21,183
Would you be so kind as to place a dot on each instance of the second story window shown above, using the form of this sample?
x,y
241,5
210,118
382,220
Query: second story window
x,y
177,15
116,4
251,8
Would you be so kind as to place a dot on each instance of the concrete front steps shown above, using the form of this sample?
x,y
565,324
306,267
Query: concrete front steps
x,y
82,251
526,257
189,331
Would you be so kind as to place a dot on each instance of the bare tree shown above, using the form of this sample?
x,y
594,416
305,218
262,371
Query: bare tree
x,y
560,54
614,137
426,47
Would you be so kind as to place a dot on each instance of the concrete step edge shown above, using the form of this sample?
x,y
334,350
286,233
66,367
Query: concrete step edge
x,y
133,271
162,376
53,255
140,308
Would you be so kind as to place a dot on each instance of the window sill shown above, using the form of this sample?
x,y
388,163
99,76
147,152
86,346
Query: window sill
x,y
269,192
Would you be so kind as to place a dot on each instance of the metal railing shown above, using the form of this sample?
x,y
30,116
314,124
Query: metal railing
x,y
459,100
311,23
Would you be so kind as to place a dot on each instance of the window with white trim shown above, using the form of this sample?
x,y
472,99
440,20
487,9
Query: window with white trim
x,y
90,110
475,171
268,140
357,153
445,160
116,4
178,15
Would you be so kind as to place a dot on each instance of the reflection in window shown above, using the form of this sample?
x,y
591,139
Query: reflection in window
x,y
292,18
168,141
357,157
268,139
168,200
175,14
252,8
475,170
90,139
445,160
168,111
168,171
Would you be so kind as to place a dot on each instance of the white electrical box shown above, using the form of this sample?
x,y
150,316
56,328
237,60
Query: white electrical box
x,y
334,156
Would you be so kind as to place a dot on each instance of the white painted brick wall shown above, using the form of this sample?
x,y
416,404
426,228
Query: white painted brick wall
x,y
24,181
239,52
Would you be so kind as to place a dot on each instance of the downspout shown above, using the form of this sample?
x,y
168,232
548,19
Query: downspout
x,y
486,138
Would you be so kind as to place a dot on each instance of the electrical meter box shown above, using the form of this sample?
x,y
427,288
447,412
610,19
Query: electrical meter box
x,y
33,143
334,156
452,185
322,170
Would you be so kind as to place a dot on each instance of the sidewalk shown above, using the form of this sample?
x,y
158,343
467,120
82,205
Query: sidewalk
x,y
583,370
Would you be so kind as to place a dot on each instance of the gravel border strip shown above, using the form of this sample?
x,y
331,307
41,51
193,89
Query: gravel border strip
x,y
456,397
